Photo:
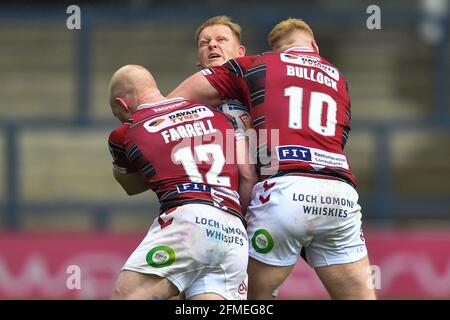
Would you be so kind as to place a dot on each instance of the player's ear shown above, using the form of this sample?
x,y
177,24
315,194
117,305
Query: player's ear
x,y
123,105
315,46
124,111
241,51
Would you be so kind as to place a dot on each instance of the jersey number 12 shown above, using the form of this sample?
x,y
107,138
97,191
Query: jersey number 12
x,y
185,156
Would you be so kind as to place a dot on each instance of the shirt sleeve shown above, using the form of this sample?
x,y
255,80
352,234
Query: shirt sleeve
x,y
116,144
228,79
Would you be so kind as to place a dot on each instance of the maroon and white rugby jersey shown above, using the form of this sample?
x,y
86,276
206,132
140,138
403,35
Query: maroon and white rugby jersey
x,y
300,109
184,150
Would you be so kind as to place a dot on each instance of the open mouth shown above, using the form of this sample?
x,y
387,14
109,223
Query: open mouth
x,y
214,55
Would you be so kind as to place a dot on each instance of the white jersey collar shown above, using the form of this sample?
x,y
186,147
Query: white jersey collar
x,y
299,49
162,102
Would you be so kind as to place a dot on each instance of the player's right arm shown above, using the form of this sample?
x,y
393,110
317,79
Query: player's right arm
x,y
132,183
213,86
197,88
125,173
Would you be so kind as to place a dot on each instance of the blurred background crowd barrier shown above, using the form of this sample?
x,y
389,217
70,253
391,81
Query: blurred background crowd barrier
x,y
60,206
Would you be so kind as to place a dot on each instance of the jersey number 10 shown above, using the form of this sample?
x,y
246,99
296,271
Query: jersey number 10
x,y
316,106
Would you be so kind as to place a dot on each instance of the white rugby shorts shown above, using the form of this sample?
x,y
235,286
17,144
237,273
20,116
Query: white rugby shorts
x,y
197,247
291,213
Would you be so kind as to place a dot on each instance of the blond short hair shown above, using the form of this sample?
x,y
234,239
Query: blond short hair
x,y
285,27
222,20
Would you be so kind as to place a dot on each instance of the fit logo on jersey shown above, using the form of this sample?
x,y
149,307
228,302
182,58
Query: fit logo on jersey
x,y
193,187
312,155
310,61
217,193
177,117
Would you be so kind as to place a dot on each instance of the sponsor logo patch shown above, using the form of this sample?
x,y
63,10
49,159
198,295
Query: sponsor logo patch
x,y
216,192
193,187
177,117
242,288
262,241
312,155
160,257
155,122
310,61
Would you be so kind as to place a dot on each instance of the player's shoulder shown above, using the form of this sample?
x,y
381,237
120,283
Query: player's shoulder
x,y
328,63
193,110
150,109
118,134
245,61
190,103
249,57
334,72
195,107
325,65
